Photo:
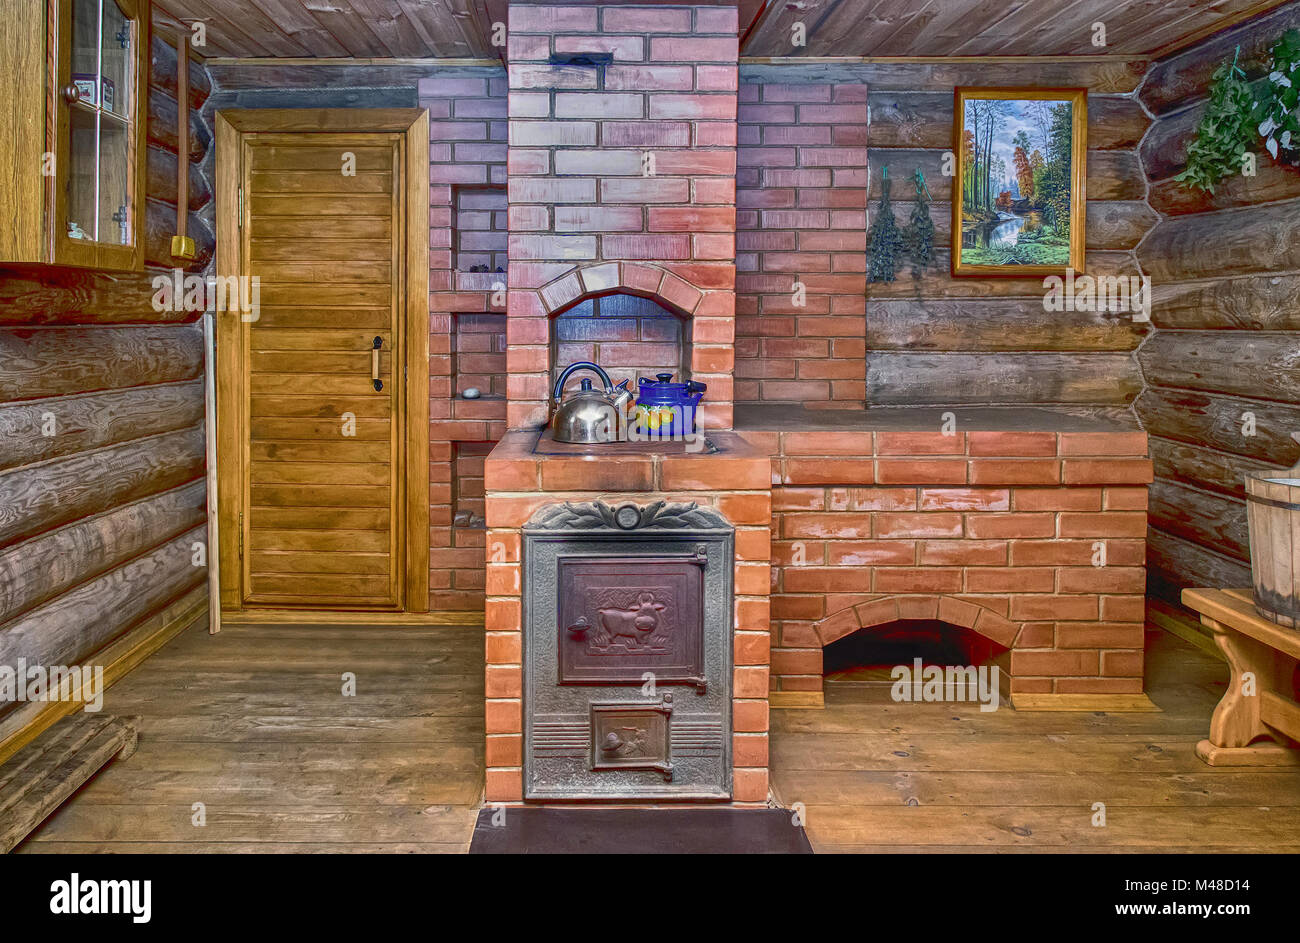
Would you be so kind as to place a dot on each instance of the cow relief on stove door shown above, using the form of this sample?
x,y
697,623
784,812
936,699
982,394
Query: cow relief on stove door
x,y
627,652
622,617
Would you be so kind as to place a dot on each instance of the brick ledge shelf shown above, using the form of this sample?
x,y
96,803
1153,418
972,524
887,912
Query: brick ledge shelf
x,y
993,529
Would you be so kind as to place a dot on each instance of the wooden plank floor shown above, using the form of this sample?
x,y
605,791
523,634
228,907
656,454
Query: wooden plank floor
x,y
877,776
252,723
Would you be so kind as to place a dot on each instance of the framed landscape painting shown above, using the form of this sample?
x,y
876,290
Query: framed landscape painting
x,y
1018,194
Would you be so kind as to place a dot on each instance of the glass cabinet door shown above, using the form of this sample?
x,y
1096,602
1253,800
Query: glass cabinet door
x,y
103,55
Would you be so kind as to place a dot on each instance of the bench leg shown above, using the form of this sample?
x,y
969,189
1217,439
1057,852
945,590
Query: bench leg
x,y
1236,723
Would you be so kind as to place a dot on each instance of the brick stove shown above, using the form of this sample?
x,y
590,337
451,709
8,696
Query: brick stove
x,y
622,248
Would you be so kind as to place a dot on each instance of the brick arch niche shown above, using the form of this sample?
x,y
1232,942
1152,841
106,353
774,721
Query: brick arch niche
x,y
701,340
960,613
966,615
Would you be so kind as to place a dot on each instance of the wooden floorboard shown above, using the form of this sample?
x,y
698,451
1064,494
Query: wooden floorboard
x,y
877,776
253,724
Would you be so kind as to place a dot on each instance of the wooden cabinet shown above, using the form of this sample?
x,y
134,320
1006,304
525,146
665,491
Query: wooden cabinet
x,y
72,144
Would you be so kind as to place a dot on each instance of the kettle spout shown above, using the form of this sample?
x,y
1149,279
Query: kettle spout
x,y
621,396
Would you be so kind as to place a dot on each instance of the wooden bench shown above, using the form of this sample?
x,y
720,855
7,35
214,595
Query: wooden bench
x,y
1267,651
39,777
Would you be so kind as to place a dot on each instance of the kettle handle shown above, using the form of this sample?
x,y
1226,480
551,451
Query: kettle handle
x,y
581,365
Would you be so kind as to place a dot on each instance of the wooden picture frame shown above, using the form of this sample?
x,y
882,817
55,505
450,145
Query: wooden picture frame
x,y
1014,136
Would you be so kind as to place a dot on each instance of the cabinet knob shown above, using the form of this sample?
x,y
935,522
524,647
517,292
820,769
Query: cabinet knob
x,y
71,94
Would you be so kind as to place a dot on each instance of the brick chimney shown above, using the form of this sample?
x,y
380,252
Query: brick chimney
x,y
622,181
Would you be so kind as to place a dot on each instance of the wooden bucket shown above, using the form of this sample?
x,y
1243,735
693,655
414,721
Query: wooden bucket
x,y
1273,513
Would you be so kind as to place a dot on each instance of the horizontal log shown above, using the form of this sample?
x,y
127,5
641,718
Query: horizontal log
x,y
1115,175
1174,82
995,324
1266,366
162,72
38,498
902,162
1163,151
1163,154
1240,241
925,120
93,420
1248,427
1118,224
1099,76
1215,521
1204,468
161,130
1253,302
39,569
119,657
937,281
902,379
160,181
230,76
1271,182
384,96
54,361
1115,123
1112,175
43,295
160,226
71,627
910,119
1184,563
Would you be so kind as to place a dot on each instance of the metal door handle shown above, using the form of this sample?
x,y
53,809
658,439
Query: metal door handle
x,y
374,364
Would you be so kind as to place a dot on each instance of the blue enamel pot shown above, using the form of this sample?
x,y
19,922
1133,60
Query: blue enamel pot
x,y
666,408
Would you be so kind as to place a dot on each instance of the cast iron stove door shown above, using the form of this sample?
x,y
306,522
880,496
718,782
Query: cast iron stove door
x,y
622,617
628,624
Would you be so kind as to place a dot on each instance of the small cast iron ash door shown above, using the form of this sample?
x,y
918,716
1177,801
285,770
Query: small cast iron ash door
x,y
627,652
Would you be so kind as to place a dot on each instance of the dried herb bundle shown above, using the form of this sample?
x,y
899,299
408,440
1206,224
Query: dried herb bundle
x,y
885,242
919,235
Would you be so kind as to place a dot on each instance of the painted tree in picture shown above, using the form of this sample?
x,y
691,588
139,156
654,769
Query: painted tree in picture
x,y
1016,181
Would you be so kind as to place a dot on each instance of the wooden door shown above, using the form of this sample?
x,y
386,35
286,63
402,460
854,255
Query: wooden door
x,y
322,520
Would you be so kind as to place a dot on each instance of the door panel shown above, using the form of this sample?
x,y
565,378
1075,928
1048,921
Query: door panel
x,y
323,455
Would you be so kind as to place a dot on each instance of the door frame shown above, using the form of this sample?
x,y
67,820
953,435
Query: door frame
x,y
413,123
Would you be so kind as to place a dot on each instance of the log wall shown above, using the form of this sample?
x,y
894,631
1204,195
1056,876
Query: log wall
x,y
102,491
932,339
1222,368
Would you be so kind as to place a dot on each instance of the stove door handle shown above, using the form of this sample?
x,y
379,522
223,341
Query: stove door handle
x,y
580,627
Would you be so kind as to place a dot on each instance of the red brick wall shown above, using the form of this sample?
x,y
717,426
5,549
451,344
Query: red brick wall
x,y
467,152
1006,522
579,191
519,483
801,197
628,336
480,233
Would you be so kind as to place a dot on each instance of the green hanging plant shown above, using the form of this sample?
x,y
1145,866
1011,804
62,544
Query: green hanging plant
x,y
1226,131
885,242
1279,111
919,234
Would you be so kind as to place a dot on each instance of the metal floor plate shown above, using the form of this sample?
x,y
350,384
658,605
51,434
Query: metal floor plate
x,y
550,830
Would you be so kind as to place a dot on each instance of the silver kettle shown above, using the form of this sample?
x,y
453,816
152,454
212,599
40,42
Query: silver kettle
x,y
590,416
